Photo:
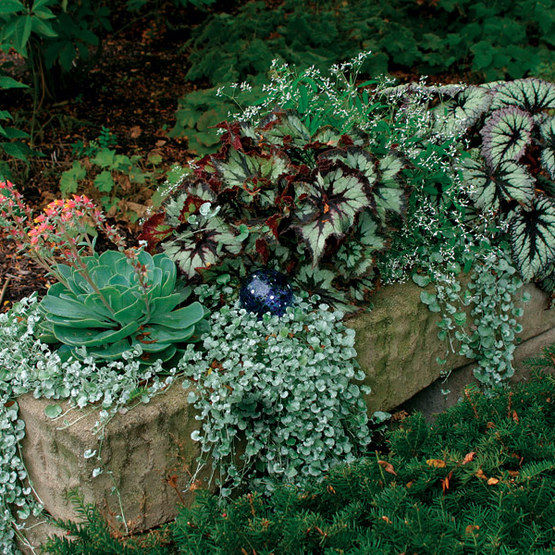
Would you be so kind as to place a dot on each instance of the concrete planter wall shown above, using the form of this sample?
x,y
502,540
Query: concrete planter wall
x,y
148,451
397,342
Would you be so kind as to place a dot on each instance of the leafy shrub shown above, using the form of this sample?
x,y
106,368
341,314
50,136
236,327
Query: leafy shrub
x,y
121,184
11,142
491,40
507,39
277,403
52,33
283,194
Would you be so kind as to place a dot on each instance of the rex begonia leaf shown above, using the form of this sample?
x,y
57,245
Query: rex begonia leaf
x,y
547,131
318,281
506,135
194,249
249,171
533,237
367,232
547,279
463,110
509,181
155,230
285,129
532,95
389,196
330,207
355,158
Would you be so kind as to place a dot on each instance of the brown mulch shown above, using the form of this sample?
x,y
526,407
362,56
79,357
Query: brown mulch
x,y
133,91
19,275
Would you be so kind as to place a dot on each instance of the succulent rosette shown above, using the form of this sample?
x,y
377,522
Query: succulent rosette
x,y
110,304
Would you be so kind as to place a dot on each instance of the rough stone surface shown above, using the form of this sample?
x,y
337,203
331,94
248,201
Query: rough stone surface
x,y
442,394
147,453
398,347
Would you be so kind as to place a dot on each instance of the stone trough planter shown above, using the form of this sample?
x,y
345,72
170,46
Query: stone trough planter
x,y
148,453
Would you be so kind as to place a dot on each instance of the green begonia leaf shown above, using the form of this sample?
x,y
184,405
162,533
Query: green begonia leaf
x,y
533,237
333,202
548,152
506,135
509,181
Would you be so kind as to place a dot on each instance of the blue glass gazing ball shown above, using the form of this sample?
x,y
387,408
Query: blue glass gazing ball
x,y
266,291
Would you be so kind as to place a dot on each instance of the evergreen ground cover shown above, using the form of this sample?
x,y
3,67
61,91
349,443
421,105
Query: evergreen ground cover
x,y
480,479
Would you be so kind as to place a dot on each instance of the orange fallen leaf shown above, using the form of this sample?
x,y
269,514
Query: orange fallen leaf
x,y
493,481
471,528
445,482
469,457
388,467
480,474
386,519
436,463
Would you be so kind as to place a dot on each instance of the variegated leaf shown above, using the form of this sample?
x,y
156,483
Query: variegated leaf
x,y
506,135
548,152
285,129
389,196
319,282
355,158
330,207
463,110
249,171
487,187
532,95
194,250
533,237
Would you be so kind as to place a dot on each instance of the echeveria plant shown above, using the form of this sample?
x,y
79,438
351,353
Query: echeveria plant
x,y
121,304
102,306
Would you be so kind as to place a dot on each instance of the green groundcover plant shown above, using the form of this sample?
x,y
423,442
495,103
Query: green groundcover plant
x,y
504,40
480,479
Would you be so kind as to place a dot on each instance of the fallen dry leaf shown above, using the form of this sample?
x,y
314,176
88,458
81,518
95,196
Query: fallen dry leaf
x,y
469,457
135,132
436,463
471,528
388,467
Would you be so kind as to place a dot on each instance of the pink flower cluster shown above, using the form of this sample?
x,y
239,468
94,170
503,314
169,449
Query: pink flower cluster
x,y
63,230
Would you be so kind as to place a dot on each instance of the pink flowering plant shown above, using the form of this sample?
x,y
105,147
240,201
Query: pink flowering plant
x,y
102,305
62,232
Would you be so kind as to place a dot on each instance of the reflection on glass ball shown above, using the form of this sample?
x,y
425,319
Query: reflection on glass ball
x,y
266,291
